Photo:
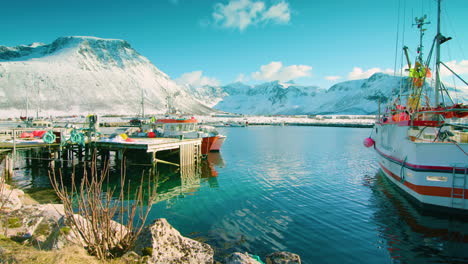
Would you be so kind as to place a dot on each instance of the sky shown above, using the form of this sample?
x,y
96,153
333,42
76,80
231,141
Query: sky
x,y
217,42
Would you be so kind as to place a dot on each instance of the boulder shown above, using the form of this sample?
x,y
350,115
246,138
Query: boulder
x,y
29,220
239,258
10,199
164,244
64,235
283,257
51,217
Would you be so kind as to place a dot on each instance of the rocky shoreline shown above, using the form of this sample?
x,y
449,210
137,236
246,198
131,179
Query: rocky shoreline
x,y
42,226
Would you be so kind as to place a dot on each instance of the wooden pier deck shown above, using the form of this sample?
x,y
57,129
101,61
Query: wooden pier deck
x,y
25,145
148,144
189,149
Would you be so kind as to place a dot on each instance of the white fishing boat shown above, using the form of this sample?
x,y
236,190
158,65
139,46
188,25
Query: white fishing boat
x,y
422,136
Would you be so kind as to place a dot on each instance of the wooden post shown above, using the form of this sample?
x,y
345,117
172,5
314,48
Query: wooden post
x,y
14,142
154,162
28,157
182,155
8,170
80,153
119,157
52,159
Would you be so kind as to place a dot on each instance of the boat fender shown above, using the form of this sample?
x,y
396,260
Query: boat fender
x,y
49,137
26,135
368,142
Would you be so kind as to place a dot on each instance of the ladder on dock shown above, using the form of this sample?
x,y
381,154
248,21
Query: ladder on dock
x,y
458,187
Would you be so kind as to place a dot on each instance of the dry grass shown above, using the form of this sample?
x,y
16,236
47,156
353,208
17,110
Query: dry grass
x,y
14,253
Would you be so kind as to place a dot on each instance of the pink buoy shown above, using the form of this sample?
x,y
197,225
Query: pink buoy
x,y
38,133
26,135
129,140
151,134
368,142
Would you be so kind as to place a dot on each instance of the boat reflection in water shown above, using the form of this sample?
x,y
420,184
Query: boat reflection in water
x,y
412,234
213,160
186,180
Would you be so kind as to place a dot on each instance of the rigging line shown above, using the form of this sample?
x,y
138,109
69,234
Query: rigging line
x,y
449,55
460,148
452,29
397,37
454,73
402,43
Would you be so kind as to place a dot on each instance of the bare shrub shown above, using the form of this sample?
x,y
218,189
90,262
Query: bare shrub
x,y
5,194
99,211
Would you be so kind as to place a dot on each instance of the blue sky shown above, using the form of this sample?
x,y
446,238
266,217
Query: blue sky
x,y
313,42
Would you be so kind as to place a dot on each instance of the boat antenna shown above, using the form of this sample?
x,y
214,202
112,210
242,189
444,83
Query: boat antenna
x,y
142,102
420,22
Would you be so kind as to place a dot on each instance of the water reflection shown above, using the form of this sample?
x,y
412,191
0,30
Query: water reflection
x,y
186,180
31,174
411,234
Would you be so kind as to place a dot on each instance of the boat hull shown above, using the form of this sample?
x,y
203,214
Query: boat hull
x,y
207,143
433,173
216,146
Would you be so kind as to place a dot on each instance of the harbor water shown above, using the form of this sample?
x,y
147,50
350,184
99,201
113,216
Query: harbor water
x,y
313,191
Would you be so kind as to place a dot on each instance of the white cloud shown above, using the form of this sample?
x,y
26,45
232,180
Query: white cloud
x,y
332,78
275,71
242,78
240,14
358,73
460,68
279,13
196,79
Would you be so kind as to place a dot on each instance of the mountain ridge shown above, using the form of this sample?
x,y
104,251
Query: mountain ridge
x,y
358,97
86,74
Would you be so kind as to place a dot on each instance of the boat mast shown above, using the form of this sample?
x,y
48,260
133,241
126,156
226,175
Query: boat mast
x,y
27,104
438,40
142,103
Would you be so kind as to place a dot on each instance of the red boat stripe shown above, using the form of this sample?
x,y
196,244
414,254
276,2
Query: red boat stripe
x,y
422,167
428,190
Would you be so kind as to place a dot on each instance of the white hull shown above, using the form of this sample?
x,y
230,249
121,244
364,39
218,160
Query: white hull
x,y
433,173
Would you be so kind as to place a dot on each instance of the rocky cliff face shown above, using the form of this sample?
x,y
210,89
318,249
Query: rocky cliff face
x,y
80,75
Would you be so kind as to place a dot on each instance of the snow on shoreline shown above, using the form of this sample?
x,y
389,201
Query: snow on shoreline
x,y
346,120
278,120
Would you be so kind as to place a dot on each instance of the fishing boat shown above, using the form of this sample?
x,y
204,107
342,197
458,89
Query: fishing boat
x,y
422,137
187,128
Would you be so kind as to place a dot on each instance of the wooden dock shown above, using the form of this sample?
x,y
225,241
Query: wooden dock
x,y
189,149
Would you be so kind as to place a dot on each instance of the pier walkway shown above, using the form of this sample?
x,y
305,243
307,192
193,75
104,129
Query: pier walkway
x,y
188,150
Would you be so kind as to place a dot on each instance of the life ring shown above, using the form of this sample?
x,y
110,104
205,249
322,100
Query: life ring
x,y
77,137
49,137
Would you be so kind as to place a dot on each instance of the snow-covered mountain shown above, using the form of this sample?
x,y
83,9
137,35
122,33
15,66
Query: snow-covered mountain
x,y
208,95
265,99
350,97
80,75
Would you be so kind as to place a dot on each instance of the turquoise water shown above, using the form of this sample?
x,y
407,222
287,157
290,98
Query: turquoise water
x,y
314,191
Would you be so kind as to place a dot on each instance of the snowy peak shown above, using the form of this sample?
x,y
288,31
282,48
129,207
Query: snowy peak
x,y
87,74
111,52
350,97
